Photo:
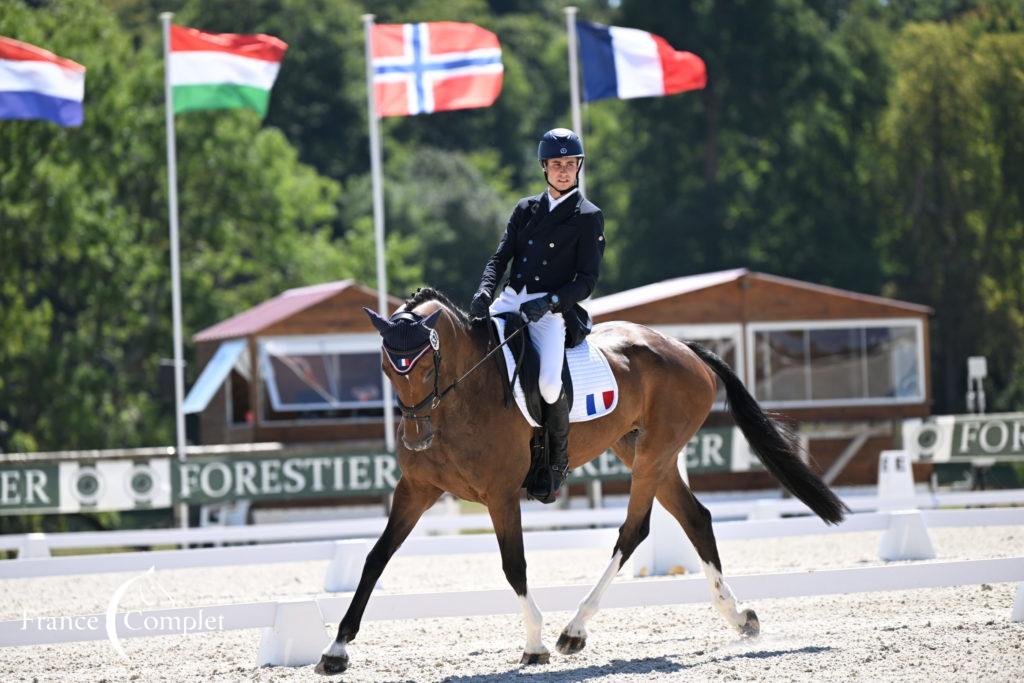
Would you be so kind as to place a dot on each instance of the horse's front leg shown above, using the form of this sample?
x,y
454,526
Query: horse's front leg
x,y
410,502
508,527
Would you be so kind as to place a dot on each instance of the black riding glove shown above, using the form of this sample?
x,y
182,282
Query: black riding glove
x,y
535,309
478,307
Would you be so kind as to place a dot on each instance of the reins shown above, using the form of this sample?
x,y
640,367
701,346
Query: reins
x,y
434,397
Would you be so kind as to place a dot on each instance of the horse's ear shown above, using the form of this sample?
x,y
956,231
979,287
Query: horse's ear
x,y
431,320
380,323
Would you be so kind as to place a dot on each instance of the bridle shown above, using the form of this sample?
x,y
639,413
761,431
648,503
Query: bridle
x,y
434,398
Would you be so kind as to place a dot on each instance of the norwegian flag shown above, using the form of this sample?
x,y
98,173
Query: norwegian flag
x,y
435,66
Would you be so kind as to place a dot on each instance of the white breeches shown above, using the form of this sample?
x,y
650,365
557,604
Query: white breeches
x,y
547,336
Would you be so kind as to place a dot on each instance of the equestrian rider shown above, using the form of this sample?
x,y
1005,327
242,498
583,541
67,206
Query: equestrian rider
x,y
555,242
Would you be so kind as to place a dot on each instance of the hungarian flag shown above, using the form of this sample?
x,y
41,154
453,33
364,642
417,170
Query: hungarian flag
x,y
627,62
435,66
223,70
37,84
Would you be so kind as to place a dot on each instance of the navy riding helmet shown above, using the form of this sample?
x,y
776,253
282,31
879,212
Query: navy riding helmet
x,y
559,142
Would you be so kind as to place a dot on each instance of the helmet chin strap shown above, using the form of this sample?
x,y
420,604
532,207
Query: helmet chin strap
x,y
575,184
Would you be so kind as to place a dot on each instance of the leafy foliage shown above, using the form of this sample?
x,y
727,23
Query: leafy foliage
x,y
867,145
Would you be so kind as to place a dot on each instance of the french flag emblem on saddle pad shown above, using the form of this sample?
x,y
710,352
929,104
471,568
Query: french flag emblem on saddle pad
x,y
435,66
600,402
595,390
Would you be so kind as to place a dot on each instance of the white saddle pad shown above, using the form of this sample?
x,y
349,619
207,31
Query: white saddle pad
x,y
594,389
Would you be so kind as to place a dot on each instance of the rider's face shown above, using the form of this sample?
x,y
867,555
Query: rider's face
x,y
562,172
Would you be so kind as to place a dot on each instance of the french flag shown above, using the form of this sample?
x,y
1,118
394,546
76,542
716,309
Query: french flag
x,y
37,84
607,398
627,62
435,66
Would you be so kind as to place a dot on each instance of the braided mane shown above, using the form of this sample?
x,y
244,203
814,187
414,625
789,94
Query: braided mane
x,y
425,294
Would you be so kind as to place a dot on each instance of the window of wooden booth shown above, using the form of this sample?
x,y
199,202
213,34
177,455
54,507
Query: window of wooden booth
x,y
321,378
842,362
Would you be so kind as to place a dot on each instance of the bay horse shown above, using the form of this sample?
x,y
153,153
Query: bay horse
x,y
465,440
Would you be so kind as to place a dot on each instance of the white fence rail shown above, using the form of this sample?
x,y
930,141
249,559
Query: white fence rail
x,y
34,545
347,556
294,631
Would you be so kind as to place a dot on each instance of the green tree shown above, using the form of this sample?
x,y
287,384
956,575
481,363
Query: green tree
x,y
84,283
950,159
761,167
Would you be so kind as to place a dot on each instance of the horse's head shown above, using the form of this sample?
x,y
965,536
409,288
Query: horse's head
x,y
411,360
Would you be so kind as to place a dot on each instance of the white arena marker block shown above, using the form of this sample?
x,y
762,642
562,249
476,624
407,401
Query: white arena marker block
x,y
33,545
765,509
666,550
297,637
906,538
346,566
895,481
1018,605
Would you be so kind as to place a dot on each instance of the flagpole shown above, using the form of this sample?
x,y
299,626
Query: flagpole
x,y
574,83
172,208
378,220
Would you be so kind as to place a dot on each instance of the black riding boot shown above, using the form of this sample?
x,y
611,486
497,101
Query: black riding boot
x,y
556,422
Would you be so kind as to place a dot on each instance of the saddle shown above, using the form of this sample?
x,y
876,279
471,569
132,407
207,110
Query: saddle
x,y
585,370
527,367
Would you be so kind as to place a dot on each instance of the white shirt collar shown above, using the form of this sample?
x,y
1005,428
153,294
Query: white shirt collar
x,y
552,202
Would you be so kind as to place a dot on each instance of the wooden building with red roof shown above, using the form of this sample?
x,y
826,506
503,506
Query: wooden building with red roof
x,y
843,367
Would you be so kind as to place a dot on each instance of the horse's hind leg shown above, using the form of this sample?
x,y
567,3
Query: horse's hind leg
x,y
695,519
631,533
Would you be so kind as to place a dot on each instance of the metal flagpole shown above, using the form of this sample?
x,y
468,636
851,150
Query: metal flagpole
x,y
172,207
574,83
378,220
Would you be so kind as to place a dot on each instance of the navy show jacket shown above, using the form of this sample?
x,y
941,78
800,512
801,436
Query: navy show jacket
x,y
558,252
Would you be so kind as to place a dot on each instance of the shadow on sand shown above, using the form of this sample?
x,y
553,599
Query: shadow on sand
x,y
625,666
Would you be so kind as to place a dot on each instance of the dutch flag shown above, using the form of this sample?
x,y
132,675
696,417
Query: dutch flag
x,y
626,63
37,84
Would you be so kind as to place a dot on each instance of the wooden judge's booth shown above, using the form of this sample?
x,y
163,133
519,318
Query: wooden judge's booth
x,y
841,367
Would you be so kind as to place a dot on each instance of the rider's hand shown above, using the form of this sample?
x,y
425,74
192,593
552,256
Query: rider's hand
x,y
535,309
478,307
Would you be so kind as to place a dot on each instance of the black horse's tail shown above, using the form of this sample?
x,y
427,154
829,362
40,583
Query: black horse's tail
x,y
772,442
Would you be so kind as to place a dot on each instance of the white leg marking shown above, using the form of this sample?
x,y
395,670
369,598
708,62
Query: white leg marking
x,y
336,649
577,628
722,597
534,620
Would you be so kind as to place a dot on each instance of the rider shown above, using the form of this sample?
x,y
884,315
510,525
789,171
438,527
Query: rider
x,y
555,241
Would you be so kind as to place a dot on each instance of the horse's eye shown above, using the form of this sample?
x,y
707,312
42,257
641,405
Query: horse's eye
x,y
428,376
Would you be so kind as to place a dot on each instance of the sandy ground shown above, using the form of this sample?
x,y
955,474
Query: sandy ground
x,y
925,635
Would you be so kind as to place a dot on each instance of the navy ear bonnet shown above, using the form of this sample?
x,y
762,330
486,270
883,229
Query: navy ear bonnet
x,y
407,336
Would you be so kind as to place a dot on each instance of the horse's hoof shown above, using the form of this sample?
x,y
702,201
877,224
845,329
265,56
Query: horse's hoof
x,y
751,627
535,658
570,645
329,666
